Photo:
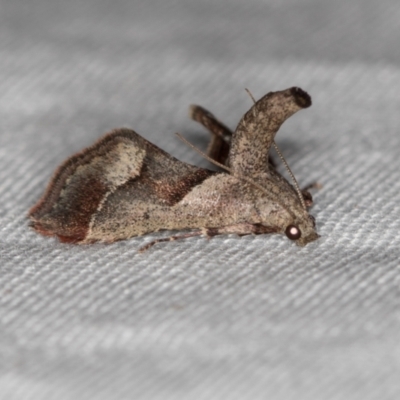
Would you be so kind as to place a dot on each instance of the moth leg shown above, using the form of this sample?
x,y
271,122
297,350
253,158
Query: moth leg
x,y
218,148
314,185
241,230
307,195
170,239
238,229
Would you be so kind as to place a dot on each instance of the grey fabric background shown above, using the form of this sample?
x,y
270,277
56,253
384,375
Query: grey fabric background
x,y
229,318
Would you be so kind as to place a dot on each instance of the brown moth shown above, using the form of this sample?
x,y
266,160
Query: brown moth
x,y
125,186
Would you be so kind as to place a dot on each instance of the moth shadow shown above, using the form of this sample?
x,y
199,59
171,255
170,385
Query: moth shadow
x,y
288,147
200,141
301,147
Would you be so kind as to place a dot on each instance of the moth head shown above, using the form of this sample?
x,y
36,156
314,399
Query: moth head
x,y
302,231
293,232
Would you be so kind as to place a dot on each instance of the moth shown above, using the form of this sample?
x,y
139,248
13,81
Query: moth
x,y
125,186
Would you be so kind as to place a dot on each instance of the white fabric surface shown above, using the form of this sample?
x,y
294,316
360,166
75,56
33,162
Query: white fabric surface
x,y
229,318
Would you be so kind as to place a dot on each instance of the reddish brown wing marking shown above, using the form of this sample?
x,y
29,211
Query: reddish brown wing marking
x,y
71,224
69,217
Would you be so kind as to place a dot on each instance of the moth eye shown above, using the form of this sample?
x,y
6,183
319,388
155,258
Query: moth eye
x,y
293,232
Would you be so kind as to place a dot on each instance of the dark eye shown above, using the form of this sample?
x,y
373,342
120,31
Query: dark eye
x,y
293,232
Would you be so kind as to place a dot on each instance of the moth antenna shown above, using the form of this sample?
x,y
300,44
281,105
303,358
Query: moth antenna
x,y
254,101
250,94
245,178
296,185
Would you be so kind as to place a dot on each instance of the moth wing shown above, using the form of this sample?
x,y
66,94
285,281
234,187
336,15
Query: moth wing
x,y
221,135
83,183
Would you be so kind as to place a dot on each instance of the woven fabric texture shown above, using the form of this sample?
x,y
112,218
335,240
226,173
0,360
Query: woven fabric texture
x,y
254,317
